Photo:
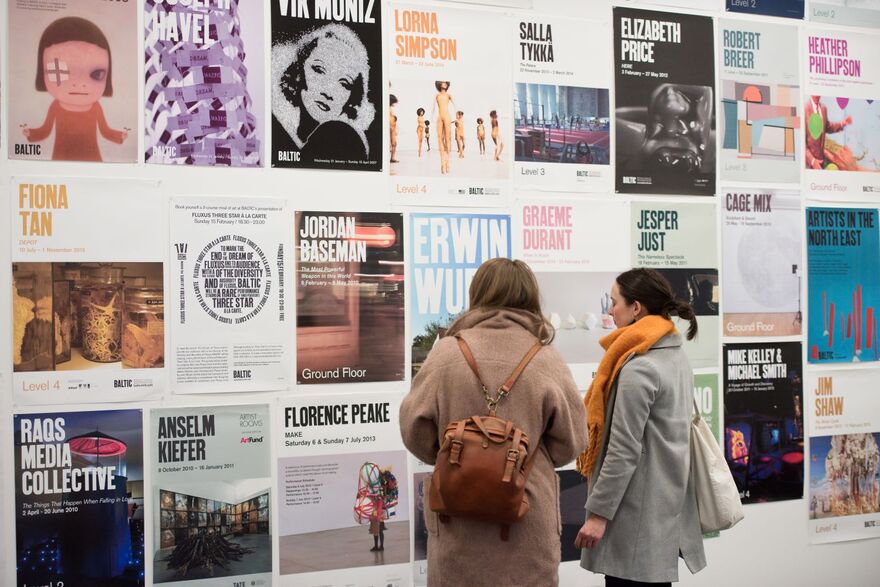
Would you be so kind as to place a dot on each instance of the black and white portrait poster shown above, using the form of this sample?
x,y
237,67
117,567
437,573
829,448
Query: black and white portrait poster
x,y
664,102
326,78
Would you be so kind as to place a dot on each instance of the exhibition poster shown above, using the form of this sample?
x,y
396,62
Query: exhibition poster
x,y
844,456
343,491
88,320
211,484
449,111
421,484
203,82
759,121
326,85
663,237
350,290
73,83
843,284
707,396
446,251
664,102
863,13
79,506
782,8
230,327
763,419
562,121
842,114
763,272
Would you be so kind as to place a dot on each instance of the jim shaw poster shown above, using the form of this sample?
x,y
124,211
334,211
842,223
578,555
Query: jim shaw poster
x,y
664,103
211,486
88,295
73,85
231,329
79,498
203,82
863,13
326,84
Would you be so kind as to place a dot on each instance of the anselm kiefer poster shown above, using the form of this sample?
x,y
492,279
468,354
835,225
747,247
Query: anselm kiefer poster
x,y
79,498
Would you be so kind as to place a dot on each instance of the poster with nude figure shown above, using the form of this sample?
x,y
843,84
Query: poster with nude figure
x,y
449,106
73,83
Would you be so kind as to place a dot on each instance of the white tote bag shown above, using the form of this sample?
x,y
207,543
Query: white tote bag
x,y
717,496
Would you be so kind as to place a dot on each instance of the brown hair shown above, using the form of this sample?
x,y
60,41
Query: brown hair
x,y
653,291
73,28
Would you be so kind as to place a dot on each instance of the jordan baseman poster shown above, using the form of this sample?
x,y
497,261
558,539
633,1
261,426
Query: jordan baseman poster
x,y
562,134
79,498
863,13
349,297
449,121
211,480
88,320
664,103
73,83
229,305
326,84
203,83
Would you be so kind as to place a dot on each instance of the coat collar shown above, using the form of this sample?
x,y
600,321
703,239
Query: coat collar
x,y
673,339
498,319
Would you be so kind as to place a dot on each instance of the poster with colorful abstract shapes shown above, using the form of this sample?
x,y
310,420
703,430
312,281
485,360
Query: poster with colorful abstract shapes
x,y
760,102
79,505
562,121
843,285
863,13
762,267
449,112
203,82
782,8
73,85
842,115
763,419
446,251
844,456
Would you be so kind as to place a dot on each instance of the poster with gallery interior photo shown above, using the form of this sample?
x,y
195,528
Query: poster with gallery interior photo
x,y
88,319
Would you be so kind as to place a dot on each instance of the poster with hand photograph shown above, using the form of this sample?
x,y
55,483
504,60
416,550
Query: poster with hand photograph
x,y
763,419
842,115
781,8
760,102
449,111
343,487
863,13
88,319
203,83
664,101
211,481
350,292
562,121
73,84
844,456
762,265
230,325
326,85
79,498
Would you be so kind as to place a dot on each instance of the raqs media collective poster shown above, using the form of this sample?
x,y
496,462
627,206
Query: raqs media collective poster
x,y
350,290
79,498
88,319
863,13
203,86
230,322
211,481
843,272
446,251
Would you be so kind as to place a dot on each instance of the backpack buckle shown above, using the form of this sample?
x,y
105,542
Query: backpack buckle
x,y
455,452
512,455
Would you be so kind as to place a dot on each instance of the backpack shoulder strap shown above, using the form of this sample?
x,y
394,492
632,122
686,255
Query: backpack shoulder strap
x,y
507,385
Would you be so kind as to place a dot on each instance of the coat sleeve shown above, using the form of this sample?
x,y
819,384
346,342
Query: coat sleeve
x,y
566,434
419,410
636,391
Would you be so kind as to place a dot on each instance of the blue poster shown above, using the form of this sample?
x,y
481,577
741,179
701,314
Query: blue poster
x,y
784,8
843,264
447,249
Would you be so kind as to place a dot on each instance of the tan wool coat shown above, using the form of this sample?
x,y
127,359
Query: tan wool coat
x,y
545,403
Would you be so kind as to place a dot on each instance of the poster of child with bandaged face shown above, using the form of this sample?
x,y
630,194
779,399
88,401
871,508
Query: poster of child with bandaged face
x,y
73,81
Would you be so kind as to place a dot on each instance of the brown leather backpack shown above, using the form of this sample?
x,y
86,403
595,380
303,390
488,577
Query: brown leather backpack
x,y
484,462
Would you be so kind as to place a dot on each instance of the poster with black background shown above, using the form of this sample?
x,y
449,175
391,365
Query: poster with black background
x,y
664,103
763,419
326,84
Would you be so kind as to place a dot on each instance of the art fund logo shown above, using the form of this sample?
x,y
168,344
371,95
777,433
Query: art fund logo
x,y
250,425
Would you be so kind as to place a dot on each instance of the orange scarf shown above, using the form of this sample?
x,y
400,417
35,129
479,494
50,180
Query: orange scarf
x,y
636,338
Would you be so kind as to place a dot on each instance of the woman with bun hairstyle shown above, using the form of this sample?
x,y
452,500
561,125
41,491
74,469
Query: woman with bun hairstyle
x,y
641,510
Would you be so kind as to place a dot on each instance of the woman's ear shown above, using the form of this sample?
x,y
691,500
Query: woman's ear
x,y
638,310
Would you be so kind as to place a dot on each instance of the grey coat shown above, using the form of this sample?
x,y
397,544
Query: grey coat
x,y
641,481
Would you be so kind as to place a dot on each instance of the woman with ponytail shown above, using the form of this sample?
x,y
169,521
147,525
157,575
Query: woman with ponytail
x,y
641,511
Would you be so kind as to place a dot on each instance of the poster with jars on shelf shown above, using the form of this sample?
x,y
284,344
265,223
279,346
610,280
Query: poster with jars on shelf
x,y
87,290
